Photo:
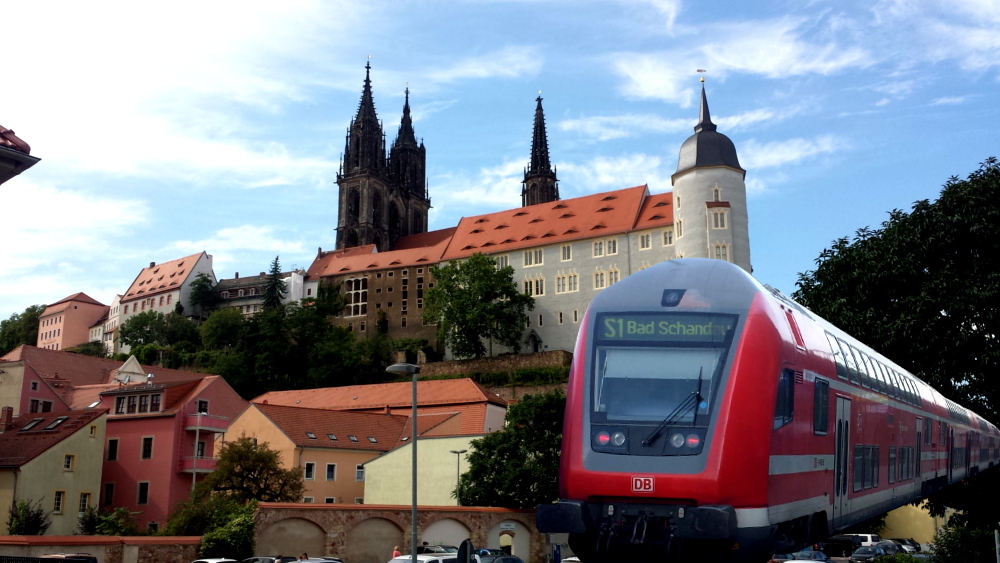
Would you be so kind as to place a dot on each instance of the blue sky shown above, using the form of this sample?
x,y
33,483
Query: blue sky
x,y
169,129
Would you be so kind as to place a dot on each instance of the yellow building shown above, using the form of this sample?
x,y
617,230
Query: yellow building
x,y
55,458
388,478
330,447
913,522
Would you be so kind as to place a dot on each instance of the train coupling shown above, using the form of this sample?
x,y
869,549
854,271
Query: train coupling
x,y
638,523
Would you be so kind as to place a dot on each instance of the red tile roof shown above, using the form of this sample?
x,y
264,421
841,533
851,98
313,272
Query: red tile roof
x,y
657,211
80,297
161,278
323,261
413,250
295,422
381,395
426,423
547,223
11,141
19,446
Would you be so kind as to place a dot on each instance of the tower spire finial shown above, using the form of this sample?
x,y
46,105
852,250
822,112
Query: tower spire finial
x,y
704,117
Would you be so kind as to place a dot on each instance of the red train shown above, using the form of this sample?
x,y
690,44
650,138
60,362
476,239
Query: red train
x,y
711,417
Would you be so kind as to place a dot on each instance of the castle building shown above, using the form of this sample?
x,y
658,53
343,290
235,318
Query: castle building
x,y
381,199
563,252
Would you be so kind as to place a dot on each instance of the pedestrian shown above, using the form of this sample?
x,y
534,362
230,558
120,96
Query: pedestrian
x,y
395,552
303,557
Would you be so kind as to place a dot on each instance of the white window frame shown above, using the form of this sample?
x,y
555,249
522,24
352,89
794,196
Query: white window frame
x,y
566,252
534,257
668,237
719,220
561,283
334,471
611,247
614,276
598,248
573,282
503,261
722,252
600,279
308,500
645,241
359,473
680,229
309,471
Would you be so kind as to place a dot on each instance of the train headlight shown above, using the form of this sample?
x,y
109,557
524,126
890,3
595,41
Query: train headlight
x,y
677,440
618,438
693,440
603,438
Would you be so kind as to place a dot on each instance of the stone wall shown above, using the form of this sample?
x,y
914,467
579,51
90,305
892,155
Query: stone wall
x,y
368,533
508,363
515,392
107,549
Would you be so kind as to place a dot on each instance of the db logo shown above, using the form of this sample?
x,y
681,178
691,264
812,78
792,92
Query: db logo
x,y
642,484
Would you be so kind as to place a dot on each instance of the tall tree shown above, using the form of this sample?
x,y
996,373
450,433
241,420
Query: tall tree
x,y
247,470
924,290
275,290
518,467
147,327
475,300
20,328
222,329
203,296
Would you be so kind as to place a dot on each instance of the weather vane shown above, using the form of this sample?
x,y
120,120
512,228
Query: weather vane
x,y
702,71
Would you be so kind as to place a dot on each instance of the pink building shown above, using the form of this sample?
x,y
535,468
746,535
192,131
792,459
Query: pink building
x,y
67,322
160,441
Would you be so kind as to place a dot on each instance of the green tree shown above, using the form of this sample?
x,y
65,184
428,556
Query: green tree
x,y
249,471
93,348
924,290
147,327
203,294
518,467
20,328
222,329
475,300
963,544
27,518
275,289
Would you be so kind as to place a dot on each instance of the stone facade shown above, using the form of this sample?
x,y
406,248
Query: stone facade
x,y
394,295
508,363
367,533
107,549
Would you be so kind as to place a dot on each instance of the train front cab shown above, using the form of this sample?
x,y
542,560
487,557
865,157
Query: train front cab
x,y
669,413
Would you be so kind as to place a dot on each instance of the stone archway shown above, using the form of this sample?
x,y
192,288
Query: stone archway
x,y
445,531
292,536
512,536
371,541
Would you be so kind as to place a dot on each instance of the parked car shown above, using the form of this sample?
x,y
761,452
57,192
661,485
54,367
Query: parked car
x,y
842,545
868,539
890,547
781,557
810,556
266,559
909,544
485,551
215,560
71,557
867,553
436,549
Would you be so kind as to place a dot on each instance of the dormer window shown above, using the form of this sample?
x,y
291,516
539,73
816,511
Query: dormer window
x,y
352,437
52,425
372,440
310,435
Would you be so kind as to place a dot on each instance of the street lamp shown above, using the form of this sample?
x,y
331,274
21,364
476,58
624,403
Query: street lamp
x,y
413,370
458,474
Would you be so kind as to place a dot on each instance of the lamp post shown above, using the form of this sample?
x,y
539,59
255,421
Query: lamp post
x,y
411,370
458,475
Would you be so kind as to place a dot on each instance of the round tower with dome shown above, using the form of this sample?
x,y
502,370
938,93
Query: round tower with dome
x,y
710,196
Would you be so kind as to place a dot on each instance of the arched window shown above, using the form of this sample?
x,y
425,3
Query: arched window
x,y
717,194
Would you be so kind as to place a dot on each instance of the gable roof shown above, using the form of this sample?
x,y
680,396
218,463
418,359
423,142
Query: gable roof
x,y
19,446
161,278
547,223
381,395
296,421
657,211
413,250
79,297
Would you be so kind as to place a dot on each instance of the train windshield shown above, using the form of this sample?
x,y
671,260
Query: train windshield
x,y
650,366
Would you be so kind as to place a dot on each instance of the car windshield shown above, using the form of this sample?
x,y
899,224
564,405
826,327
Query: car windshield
x,y
646,365
865,550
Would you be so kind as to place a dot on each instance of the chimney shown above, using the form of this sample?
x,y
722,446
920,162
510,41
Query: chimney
x,y
237,275
6,418
262,274
151,264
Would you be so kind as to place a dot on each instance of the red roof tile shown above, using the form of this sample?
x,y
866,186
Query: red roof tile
x,y
413,250
547,223
381,395
161,278
80,297
295,422
657,211
19,446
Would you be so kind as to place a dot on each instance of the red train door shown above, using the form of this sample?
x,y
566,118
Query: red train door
x,y
841,503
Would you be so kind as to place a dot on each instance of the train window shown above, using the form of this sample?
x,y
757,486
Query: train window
x,y
897,393
868,467
838,356
821,406
927,431
862,372
784,406
875,462
852,368
859,467
878,383
908,389
890,383
892,465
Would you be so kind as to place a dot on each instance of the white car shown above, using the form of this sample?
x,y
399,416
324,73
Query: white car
x,y
431,558
216,560
868,539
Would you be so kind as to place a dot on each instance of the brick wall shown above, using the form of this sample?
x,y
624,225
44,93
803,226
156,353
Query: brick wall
x,y
508,363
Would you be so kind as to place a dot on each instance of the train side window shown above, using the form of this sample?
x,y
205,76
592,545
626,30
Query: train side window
x,y
859,467
838,356
852,368
868,467
894,383
865,381
821,406
907,391
891,390
878,384
875,462
784,406
927,430
892,465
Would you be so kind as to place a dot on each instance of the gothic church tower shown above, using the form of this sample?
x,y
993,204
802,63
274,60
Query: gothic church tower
x,y
381,199
710,196
540,184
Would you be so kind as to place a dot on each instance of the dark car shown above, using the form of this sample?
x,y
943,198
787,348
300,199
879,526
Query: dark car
x,y
890,547
484,551
867,553
810,556
908,543
841,545
508,559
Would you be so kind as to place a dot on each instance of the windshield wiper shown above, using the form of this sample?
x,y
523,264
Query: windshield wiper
x,y
690,402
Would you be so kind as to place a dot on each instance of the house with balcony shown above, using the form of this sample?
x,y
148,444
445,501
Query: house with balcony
x,y
161,441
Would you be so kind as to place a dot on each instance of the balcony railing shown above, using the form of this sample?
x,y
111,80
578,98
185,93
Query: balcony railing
x,y
206,422
196,464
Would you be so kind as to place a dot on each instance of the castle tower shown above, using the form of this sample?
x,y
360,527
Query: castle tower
x,y
710,196
540,184
407,174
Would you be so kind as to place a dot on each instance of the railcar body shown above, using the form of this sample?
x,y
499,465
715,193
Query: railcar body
x,y
707,413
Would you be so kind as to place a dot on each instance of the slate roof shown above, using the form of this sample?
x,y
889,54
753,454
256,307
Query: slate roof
x,y
547,223
161,278
707,147
18,446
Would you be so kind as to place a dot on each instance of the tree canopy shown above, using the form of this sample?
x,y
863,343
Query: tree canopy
x,y
20,328
518,467
475,300
275,290
247,470
203,296
924,290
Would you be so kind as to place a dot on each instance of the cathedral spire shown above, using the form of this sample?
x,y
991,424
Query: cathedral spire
x,y
406,135
704,117
539,143
540,182
366,109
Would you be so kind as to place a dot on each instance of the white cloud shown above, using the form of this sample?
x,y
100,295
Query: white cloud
x,y
604,173
233,244
882,102
755,155
493,188
667,8
606,127
509,62
949,100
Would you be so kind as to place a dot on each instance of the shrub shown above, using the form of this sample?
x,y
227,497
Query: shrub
x,y
234,540
962,544
27,519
